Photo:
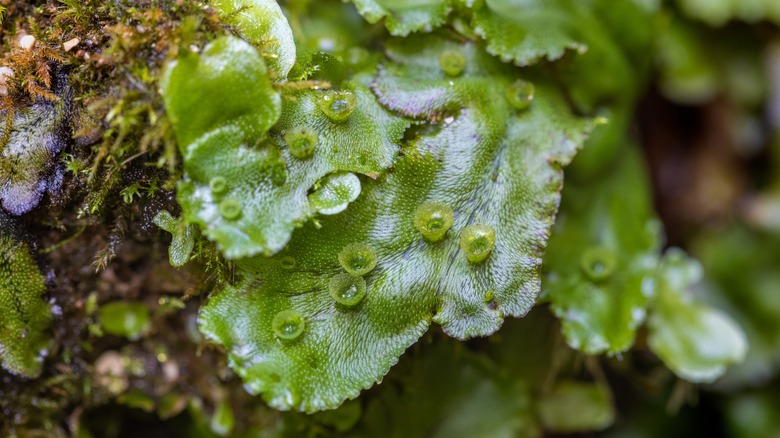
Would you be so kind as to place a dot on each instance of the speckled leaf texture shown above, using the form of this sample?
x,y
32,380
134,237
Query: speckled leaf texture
x,y
24,315
405,16
525,31
262,23
262,179
491,163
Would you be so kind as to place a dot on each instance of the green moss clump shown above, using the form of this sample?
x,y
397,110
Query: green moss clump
x,y
24,315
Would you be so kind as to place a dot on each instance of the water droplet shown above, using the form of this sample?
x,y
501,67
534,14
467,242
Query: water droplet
x,y
358,259
347,289
230,209
287,262
477,241
337,105
218,185
520,94
301,141
288,324
433,220
598,263
452,62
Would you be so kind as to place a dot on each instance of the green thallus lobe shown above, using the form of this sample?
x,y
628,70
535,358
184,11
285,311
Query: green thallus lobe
x,y
346,289
288,325
358,259
433,220
477,241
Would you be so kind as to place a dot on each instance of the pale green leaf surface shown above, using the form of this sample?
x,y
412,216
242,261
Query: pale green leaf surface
x,y
526,31
719,12
329,26
266,183
226,84
742,264
183,237
696,341
129,319
405,16
223,420
262,23
576,407
491,164
334,192
610,219
24,315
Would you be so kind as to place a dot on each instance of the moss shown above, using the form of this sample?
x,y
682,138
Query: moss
x,y
25,315
113,53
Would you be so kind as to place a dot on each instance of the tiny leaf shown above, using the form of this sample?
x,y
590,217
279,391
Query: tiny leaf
x,y
126,319
183,237
696,341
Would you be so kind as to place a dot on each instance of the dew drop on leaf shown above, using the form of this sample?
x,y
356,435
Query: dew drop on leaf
x,y
287,262
452,62
598,262
520,94
230,209
218,185
346,289
337,105
301,141
433,220
358,259
477,242
288,325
